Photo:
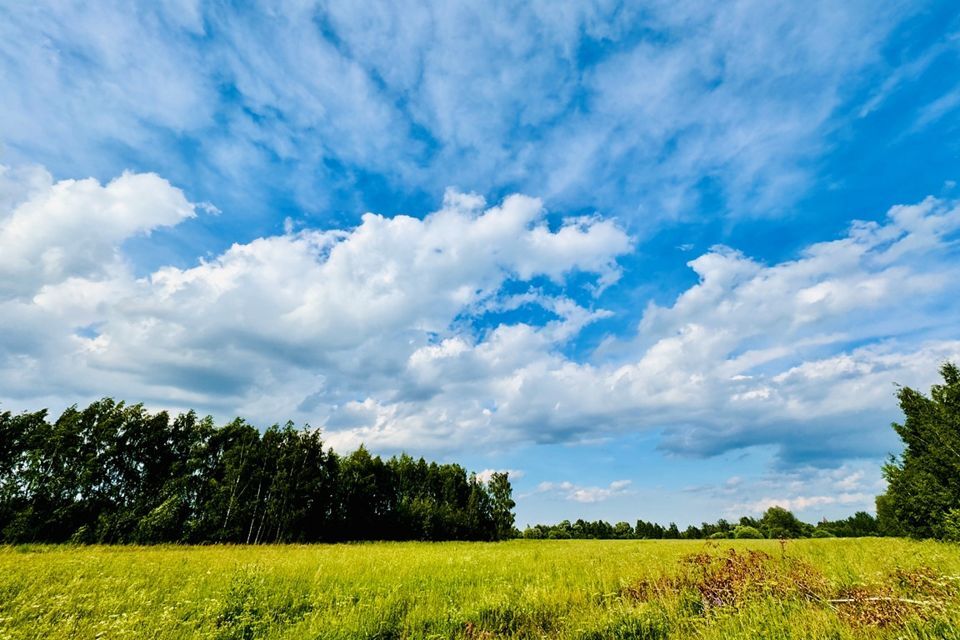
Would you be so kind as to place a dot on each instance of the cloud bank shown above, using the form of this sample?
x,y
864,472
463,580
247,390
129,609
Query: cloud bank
x,y
397,332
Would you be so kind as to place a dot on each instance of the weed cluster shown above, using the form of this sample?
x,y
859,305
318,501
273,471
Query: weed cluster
x,y
709,582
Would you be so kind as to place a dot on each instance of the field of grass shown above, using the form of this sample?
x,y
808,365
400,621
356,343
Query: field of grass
x,y
866,588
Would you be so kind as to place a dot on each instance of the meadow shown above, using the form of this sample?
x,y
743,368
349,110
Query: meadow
x,y
584,589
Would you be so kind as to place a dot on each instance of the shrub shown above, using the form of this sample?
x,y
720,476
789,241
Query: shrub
x,y
747,533
719,535
823,533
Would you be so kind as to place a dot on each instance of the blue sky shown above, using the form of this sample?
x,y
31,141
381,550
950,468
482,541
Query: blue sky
x,y
662,260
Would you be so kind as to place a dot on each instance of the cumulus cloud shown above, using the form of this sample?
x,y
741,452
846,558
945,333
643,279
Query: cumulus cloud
x,y
382,333
315,319
577,493
752,354
51,232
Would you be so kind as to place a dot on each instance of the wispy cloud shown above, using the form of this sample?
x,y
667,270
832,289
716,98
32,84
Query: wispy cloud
x,y
740,95
937,109
909,71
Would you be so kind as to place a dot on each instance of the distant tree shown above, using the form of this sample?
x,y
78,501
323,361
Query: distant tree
x,y
723,526
647,530
778,522
562,531
534,533
692,533
923,484
860,524
502,504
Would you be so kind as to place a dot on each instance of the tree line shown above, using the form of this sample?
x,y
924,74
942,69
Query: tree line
x,y
117,473
777,522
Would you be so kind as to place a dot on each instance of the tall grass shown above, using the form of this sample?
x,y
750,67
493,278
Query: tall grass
x,y
863,588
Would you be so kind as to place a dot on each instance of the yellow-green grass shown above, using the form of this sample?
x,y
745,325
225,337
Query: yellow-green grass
x,y
521,589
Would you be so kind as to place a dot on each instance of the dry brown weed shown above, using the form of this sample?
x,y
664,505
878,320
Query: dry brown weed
x,y
728,580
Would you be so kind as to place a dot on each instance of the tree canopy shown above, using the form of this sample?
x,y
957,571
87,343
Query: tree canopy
x,y
116,473
923,483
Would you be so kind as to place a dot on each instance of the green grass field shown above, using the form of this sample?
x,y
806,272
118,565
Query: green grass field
x,y
866,588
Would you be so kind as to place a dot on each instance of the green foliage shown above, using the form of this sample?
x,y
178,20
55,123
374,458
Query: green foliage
x,y
887,523
924,483
746,532
950,529
822,533
777,522
162,523
502,505
859,525
115,473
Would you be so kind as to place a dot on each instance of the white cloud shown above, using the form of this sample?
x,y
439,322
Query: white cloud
x,y
578,493
373,334
486,474
741,94
317,319
812,491
78,78
72,229
937,109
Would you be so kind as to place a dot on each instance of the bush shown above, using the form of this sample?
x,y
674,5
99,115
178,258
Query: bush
x,y
823,533
747,533
719,535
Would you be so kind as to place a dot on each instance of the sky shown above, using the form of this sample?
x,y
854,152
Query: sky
x,y
659,260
